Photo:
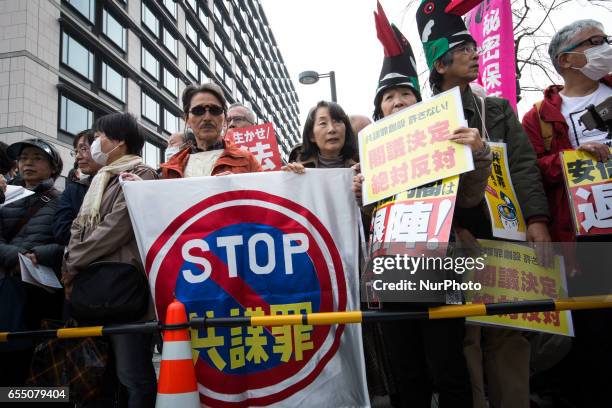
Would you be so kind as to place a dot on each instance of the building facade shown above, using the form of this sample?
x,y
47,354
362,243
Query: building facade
x,y
63,63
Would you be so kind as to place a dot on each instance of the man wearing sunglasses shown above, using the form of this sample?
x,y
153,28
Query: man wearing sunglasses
x,y
204,109
582,55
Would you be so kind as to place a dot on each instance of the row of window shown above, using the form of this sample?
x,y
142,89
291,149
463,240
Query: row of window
x,y
74,118
81,60
152,23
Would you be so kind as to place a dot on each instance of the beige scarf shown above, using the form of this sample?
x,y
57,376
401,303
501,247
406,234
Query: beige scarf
x,y
89,215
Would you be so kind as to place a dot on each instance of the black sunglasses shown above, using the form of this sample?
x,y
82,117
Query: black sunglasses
x,y
594,40
214,110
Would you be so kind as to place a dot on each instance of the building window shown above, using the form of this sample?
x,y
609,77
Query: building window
x,y
150,108
219,70
170,5
113,30
149,20
171,122
192,4
170,42
150,63
86,7
77,57
191,32
203,18
204,50
74,117
170,82
113,82
217,13
203,77
219,41
151,155
192,68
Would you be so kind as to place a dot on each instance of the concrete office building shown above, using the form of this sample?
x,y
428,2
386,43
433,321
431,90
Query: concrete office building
x,y
63,63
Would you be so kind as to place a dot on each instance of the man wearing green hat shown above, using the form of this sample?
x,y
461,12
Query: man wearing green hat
x,y
452,58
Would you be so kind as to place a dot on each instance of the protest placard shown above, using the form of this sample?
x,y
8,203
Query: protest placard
x,y
254,244
422,214
512,273
259,140
507,220
411,148
589,186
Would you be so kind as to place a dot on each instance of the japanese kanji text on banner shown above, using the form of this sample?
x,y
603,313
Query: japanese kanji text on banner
x,y
589,183
411,147
254,244
512,273
491,26
259,140
504,209
422,214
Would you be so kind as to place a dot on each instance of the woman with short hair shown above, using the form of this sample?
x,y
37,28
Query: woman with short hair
x,y
102,232
25,229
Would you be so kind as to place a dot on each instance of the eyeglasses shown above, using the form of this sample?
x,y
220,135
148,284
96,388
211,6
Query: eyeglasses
x,y
231,119
214,110
594,40
83,150
466,49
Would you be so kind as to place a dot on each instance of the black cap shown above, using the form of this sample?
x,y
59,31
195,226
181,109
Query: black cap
x,y
15,149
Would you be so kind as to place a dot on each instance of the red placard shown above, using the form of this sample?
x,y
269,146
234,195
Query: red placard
x,y
259,140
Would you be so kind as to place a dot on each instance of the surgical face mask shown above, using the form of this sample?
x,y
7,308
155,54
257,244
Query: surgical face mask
x,y
171,151
97,154
599,62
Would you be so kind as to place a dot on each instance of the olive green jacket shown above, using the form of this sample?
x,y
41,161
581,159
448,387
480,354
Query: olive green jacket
x,y
502,125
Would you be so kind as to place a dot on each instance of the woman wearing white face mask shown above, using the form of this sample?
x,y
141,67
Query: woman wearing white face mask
x,y
102,234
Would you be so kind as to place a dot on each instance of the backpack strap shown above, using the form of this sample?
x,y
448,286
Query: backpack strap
x,y
546,128
41,201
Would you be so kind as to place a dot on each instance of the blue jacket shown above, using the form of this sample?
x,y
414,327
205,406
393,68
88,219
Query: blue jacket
x,y
69,205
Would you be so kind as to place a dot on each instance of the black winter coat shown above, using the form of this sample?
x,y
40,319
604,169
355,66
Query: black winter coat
x,y
35,236
69,205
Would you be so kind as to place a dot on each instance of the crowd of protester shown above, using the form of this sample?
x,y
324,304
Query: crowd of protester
x,y
85,228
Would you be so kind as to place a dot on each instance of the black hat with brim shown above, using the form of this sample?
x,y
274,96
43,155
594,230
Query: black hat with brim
x,y
15,149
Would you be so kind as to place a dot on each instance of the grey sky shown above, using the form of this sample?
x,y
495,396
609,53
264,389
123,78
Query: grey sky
x,y
339,35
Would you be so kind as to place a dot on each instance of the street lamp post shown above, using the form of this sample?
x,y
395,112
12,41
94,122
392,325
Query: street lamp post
x,y
310,77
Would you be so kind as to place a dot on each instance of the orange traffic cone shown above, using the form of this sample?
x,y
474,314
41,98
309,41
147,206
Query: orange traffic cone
x,y
177,386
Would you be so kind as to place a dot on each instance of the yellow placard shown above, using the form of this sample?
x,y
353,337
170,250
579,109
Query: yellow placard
x,y
507,218
512,273
411,147
581,169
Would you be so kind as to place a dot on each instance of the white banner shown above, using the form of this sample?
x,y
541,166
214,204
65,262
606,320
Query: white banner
x,y
252,244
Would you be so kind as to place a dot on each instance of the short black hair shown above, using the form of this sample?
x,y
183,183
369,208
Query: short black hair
x,y
6,163
89,135
122,126
310,149
378,114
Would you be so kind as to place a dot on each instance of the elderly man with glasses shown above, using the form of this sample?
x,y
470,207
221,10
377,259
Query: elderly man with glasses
x,y
582,55
239,116
205,112
452,57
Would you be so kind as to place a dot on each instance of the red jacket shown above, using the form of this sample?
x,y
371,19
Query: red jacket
x,y
233,160
562,225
